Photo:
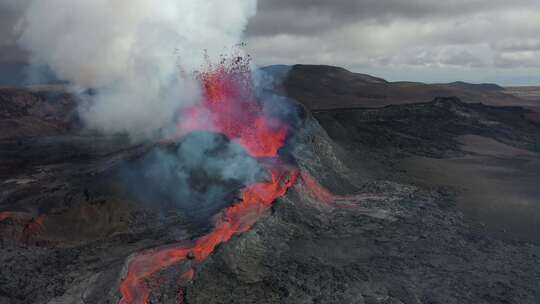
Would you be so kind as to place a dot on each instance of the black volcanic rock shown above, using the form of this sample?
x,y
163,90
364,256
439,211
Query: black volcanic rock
x,y
429,129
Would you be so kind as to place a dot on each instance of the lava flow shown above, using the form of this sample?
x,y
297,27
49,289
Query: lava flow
x,y
317,191
230,107
256,200
320,194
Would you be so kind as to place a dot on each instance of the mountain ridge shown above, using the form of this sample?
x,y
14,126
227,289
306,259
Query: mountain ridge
x,y
330,87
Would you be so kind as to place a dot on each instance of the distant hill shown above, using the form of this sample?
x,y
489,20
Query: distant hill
x,y
329,87
38,110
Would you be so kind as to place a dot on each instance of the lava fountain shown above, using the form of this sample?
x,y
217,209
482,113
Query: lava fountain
x,y
229,107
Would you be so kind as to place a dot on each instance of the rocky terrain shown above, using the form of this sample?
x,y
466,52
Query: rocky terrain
x,y
36,111
416,248
488,155
386,209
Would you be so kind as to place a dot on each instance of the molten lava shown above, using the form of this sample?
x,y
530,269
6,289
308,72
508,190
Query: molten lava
x,y
256,201
229,107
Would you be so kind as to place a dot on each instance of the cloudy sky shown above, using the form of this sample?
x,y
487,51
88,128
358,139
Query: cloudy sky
x,y
421,40
426,40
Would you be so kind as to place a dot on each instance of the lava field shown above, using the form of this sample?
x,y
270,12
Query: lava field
x,y
332,211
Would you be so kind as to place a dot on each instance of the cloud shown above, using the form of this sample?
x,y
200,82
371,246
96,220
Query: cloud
x,y
372,35
316,16
380,35
527,58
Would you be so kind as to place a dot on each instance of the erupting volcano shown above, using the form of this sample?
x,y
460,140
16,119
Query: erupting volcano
x,y
230,107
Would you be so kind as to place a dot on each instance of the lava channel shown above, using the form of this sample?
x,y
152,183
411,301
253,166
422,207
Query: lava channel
x,y
257,200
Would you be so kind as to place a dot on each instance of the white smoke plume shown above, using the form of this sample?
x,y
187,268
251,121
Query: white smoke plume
x,y
132,52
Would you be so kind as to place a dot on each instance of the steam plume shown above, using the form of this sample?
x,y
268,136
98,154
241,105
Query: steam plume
x,y
132,51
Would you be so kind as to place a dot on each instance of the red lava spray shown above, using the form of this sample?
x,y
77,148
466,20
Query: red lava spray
x,y
231,108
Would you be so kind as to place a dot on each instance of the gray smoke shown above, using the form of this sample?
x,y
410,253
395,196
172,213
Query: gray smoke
x,y
138,54
140,57
200,174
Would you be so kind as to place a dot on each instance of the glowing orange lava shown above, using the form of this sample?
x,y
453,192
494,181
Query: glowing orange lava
x,y
256,200
230,107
